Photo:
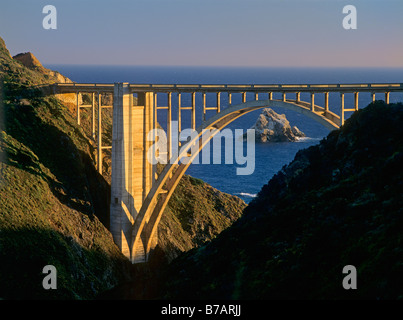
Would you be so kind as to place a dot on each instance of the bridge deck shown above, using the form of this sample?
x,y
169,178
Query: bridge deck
x,y
353,87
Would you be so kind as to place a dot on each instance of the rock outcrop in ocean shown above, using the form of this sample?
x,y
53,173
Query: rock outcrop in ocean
x,y
274,127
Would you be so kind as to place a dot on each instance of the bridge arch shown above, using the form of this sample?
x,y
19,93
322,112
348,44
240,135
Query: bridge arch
x,y
143,234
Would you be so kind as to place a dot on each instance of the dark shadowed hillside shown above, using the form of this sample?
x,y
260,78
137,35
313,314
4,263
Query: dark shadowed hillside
x,y
338,203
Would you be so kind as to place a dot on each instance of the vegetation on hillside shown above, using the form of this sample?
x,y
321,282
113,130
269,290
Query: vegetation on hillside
x,y
337,203
50,194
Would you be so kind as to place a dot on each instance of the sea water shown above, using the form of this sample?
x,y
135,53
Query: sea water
x,y
269,157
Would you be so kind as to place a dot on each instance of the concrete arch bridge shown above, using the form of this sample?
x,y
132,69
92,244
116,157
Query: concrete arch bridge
x,y
138,194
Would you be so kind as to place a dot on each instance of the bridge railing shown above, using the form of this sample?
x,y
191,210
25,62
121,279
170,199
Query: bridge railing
x,y
371,87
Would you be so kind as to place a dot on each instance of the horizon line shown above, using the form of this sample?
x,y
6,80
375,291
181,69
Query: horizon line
x,y
222,66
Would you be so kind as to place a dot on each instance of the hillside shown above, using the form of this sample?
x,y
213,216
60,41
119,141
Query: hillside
x,y
48,204
337,203
54,204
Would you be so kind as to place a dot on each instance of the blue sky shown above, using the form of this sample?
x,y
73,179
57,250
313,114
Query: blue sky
x,y
301,33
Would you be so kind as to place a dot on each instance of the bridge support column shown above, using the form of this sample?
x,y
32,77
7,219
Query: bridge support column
x,y
373,97
326,102
179,114
218,102
204,106
341,109
122,204
169,129
387,97
312,102
99,135
298,96
78,108
144,110
132,174
356,101
194,110
93,134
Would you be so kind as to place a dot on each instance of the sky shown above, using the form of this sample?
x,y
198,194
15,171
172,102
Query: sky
x,y
273,33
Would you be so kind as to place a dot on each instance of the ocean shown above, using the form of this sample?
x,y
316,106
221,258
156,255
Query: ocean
x,y
269,157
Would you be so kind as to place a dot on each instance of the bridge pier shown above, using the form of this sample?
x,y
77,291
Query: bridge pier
x,y
132,173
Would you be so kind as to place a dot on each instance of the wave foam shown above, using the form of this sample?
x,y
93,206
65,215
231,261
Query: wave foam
x,y
305,139
245,194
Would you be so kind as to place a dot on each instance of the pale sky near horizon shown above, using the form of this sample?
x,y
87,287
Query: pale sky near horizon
x,y
304,33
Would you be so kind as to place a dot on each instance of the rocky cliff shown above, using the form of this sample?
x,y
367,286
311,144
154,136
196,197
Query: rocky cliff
x,y
30,61
274,127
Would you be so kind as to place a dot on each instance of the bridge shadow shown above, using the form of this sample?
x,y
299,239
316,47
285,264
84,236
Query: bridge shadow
x,y
46,144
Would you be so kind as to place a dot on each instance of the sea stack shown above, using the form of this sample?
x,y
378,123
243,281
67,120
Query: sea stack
x,y
274,127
